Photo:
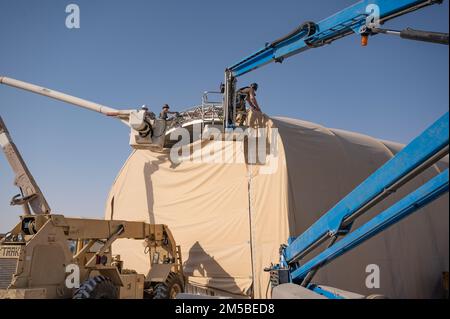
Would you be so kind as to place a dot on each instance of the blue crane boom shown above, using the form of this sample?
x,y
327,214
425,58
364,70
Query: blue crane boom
x,y
364,18
423,152
353,19
414,158
403,208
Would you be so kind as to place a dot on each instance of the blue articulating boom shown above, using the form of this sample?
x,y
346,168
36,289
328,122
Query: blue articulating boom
x,y
363,18
420,154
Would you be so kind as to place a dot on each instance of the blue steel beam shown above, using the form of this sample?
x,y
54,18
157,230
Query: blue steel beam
x,y
341,24
429,143
403,208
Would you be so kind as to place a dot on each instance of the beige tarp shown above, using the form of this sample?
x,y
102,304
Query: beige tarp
x,y
230,218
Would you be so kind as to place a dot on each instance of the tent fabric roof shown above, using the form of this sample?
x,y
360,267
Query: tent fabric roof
x,y
230,219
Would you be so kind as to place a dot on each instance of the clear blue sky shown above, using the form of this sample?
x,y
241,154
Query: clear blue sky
x,y
129,53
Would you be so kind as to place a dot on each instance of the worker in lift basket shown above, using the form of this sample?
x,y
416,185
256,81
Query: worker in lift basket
x,y
165,112
246,95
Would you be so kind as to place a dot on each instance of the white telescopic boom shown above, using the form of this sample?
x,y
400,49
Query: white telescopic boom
x,y
141,122
61,96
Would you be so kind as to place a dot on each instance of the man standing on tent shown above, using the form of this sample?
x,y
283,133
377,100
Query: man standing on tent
x,y
165,112
246,95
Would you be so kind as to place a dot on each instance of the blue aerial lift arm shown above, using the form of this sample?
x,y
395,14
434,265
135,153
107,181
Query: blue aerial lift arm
x,y
354,19
400,210
420,154
364,18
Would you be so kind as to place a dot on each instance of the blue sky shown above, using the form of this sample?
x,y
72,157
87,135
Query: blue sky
x,y
129,53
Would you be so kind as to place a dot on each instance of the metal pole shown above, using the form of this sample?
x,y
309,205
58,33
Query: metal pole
x,y
60,96
31,195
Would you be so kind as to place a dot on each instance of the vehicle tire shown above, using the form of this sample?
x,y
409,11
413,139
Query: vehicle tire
x,y
98,287
170,288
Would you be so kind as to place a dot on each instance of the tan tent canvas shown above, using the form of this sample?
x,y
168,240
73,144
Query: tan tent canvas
x,y
231,218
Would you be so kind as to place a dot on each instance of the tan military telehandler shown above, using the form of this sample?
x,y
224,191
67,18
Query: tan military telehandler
x,y
51,256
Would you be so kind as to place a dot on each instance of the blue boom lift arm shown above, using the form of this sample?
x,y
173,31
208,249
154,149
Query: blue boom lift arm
x,y
420,154
364,18
360,18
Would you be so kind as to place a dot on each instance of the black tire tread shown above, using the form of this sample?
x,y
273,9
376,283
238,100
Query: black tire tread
x,y
162,290
98,287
